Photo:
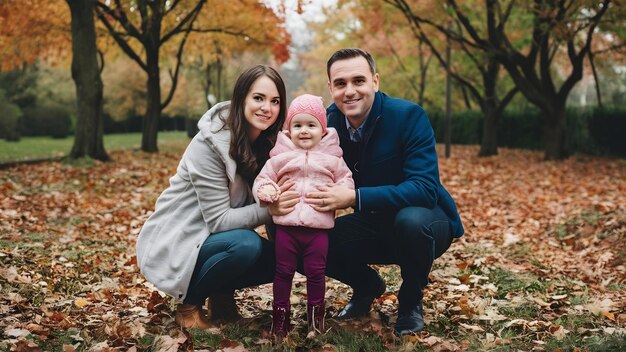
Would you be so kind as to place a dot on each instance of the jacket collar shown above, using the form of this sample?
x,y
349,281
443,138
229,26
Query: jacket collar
x,y
376,111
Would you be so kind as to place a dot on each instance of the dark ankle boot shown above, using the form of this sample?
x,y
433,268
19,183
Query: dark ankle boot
x,y
224,307
410,319
362,300
281,322
315,317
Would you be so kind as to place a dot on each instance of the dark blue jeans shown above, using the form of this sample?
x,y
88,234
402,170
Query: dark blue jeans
x,y
231,260
412,238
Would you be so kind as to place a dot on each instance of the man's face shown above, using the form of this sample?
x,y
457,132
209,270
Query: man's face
x,y
352,87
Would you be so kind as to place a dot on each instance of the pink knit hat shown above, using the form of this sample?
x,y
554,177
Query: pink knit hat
x,y
309,104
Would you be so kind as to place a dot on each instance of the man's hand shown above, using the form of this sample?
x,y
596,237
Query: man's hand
x,y
331,198
287,200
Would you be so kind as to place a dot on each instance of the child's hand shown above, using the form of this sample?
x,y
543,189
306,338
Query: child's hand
x,y
268,192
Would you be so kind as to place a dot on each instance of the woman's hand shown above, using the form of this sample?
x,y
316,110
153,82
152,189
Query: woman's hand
x,y
287,201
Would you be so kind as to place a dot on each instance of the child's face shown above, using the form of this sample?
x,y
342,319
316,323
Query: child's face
x,y
305,130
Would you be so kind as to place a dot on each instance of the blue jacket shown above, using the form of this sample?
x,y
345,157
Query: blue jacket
x,y
395,165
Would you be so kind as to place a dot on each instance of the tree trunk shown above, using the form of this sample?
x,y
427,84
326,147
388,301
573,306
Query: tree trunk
x,y
491,109
555,133
489,142
153,111
88,136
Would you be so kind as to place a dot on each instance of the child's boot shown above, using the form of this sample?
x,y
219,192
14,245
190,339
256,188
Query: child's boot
x,y
281,324
315,317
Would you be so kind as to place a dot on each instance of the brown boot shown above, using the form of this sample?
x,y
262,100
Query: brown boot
x,y
224,307
192,316
281,322
315,317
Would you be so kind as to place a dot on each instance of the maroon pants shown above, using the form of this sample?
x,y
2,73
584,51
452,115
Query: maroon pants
x,y
293,243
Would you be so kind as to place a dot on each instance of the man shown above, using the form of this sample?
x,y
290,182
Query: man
x,y
403,215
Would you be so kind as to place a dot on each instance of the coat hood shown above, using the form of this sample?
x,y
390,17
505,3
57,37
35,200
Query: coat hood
x,y
212,122
329,144
214,131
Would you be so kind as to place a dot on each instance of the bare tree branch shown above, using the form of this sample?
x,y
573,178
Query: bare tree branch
x,y
102,11
189,18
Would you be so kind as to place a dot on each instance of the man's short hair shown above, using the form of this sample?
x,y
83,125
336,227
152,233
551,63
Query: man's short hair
x,y
349,53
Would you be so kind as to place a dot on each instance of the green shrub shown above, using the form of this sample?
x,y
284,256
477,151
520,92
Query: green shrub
x,y
191,126
46,121
521,129
466,126
607,127
60,123
10,115
593,131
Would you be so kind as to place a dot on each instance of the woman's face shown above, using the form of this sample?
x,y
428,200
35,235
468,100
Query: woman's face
x,y
262,106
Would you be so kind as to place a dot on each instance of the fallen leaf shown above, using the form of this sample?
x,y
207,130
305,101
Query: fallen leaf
x,y
81,303
558,332
166,343
431,340
471,327
16,332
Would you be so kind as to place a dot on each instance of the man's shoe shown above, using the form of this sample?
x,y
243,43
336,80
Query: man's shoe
x,y
361,302
410,320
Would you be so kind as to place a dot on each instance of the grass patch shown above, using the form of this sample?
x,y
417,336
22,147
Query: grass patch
x,y
574,226
345,341
522,251
606,343
145,343
240,333
524,311
508,281
205,340
573,322
597,343
33,148
59,338
442,326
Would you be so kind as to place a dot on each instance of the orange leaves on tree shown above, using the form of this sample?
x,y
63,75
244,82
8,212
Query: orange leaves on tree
x,y
31,30
242,26
281,52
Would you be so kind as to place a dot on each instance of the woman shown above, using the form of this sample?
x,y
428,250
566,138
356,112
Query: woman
x,y
200,240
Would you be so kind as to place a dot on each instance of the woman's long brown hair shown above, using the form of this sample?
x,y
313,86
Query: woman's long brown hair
x,y
250,157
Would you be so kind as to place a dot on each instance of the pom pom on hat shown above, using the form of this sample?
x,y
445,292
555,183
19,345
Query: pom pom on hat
x,y
309,104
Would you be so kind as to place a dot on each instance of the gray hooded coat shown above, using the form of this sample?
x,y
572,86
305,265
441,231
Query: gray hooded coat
x,y
206,195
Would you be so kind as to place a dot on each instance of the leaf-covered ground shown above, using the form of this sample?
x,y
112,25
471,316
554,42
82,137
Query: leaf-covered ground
x,y
542,265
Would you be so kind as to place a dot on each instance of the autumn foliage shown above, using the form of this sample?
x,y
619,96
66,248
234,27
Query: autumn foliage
x,y
544,246
31,30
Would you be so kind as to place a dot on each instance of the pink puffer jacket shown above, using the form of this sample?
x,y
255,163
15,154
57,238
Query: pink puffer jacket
x,y
321,165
